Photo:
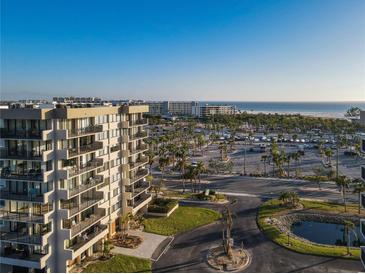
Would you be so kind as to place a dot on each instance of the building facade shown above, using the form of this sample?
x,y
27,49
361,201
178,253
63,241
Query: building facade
x,y
362,201
67,175
174,108
206,111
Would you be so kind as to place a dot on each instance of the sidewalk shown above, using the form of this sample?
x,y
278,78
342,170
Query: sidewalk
x,y
151,245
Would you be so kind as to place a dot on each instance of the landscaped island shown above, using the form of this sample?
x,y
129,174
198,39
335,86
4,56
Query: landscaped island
x,y
181,220
275,219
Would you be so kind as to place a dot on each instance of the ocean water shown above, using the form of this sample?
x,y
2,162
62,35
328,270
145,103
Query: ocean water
x,y
322,109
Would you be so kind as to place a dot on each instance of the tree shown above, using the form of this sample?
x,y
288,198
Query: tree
x,y
349,228
358,188
163,162
353,112
200,169
328,153
264,159
228,223
124,221
343,183
223,151
341,141
190,174
289,198
151,158
182,163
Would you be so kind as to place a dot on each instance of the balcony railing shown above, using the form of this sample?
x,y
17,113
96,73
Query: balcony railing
x,y
22,254
20,155
134,177
138,122
81,241
21,133
86,130
21,217
142,187
139,162
23,238
95,163
92,181
27,196
138,149
141,199
31,175
85,203
87,222
85,149
138,136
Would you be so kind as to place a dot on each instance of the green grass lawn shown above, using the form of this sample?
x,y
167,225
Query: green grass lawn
x,y
182,219
273,207
120,263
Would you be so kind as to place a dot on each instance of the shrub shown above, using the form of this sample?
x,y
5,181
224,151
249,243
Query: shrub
x,y
160,205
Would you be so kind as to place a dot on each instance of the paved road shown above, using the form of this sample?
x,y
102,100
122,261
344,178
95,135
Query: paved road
x,y
188,250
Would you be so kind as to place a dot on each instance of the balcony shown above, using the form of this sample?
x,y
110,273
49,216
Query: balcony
x,y
24,238
134,177
22,155
22,217
95,232
140,202
137,136
77,170
86,223
30,196
21,134
25,175
141,161
138,149
85,149
75,208
139,122
84,131
136,190
22,255
92,182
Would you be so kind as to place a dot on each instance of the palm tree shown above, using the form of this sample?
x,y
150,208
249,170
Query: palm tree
x,y
349,228
287,158
343,182
358,188
190,174
289,198
264,159
329,153
223,150
151,158
341,141
200,169
163,162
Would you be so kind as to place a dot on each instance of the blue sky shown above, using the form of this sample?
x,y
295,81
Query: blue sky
x,y
289,50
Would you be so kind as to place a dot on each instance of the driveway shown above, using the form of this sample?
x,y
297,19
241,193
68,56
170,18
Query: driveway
x,y
187,252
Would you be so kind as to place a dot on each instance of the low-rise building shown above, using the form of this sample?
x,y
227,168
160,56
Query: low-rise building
x,y
206,111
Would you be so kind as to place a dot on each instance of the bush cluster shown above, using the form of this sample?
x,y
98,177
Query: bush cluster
x,y
160,205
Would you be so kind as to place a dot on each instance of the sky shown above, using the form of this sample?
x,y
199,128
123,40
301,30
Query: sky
x,y
283,50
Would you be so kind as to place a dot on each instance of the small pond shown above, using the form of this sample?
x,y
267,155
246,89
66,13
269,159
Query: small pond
x,y
324,233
